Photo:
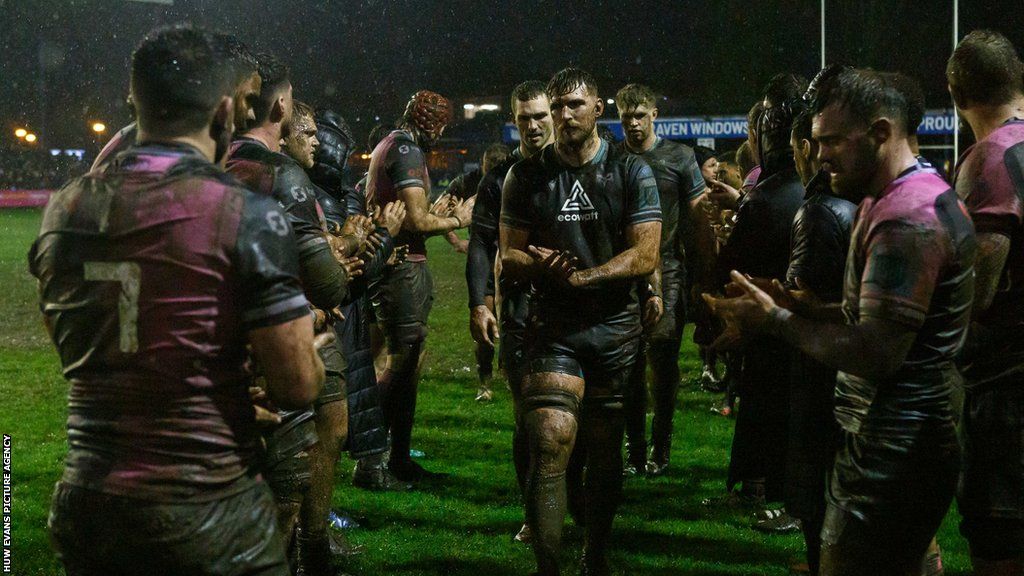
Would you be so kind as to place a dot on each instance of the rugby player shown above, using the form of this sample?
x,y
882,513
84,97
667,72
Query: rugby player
x,y
984,75
404,295
301,448
531,114
580,221
680,190
154,273
907,292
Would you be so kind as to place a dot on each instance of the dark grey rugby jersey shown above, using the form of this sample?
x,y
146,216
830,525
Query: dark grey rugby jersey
x,y
584,210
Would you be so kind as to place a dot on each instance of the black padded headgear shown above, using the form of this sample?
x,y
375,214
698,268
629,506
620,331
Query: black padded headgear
x,y
331,157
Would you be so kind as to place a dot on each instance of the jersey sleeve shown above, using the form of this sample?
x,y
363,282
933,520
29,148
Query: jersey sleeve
x,y
269,290
901,267
691,181
515,208
406,166
483,238
987,189
642,191
296,194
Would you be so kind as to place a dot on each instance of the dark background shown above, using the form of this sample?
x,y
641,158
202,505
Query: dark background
x,y
64,63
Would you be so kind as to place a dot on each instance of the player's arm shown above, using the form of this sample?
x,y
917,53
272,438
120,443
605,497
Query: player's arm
x,y
483,237
419,219
514,231
640,258
275,312
324,278
896,289
293,370
700,243
993,249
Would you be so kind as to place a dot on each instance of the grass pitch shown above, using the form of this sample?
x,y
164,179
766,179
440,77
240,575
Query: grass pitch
x,y
461,527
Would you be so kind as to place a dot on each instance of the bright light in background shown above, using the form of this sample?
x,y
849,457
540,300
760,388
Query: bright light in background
x,y
468,106
610,100
30,137
489,107
21,132
99,127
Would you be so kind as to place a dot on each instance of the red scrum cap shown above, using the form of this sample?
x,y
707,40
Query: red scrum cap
x,y
429,111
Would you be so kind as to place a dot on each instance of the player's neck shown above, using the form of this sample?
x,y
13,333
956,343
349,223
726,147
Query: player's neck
x,y
268,134
200,141
985,120
897,160
526,152
578,155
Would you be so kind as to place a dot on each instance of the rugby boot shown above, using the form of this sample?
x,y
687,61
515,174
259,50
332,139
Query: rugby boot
x,y
371,473
409,471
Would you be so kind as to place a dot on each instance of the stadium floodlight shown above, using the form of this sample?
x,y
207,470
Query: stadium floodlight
x,y
20,133
99,127
30,138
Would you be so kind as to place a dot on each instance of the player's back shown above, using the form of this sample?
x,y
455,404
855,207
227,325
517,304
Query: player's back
x,y
138,280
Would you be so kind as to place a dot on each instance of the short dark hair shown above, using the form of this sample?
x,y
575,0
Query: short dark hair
x,y
240,53
784,87
495,153
569,79
632,95
300,108
275,75
526,91
985,68
378,133
865,94
802,124
912,93
728,157
179,74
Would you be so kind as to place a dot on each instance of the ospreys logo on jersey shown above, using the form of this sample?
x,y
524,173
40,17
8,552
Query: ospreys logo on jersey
x,y
577,207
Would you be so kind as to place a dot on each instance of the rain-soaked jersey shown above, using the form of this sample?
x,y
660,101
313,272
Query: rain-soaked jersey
x,y
398,163
151,272
990,181
584,210
911,262
679,180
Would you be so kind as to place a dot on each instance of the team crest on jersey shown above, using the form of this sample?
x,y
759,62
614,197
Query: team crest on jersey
x,y
403,149
577,207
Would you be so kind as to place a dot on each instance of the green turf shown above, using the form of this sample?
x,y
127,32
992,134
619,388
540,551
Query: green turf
x,y
463,527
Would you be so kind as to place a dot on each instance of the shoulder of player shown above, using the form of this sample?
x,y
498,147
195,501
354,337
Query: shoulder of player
x,y
913,202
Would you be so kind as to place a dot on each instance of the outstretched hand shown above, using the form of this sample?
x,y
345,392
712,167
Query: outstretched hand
x,y
743,314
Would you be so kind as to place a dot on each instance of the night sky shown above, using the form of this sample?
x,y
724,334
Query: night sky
x,y
64,63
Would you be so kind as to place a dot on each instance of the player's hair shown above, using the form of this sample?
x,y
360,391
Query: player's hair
x,y
526,91
179,74
378,133
702,154
802,124
865,94
745,158
302,109
495,154
985,68
245,60
569,79
276,76
727,157
632,95
912,93
784,87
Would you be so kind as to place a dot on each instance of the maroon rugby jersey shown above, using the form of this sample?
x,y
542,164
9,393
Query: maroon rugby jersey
x,y
911,261
398,163
151,271
990,180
